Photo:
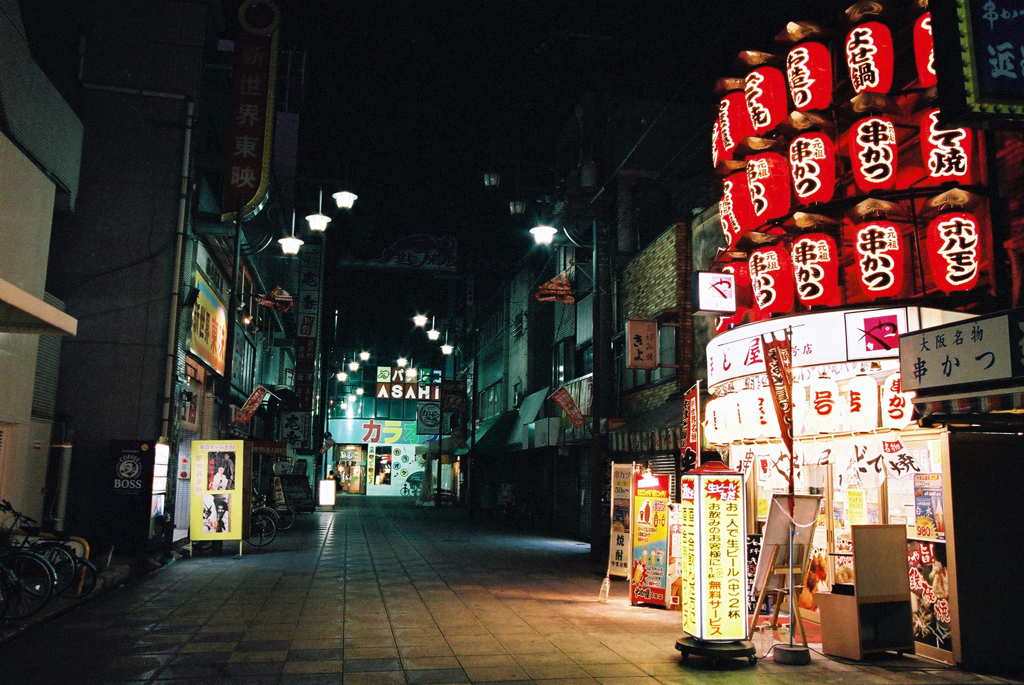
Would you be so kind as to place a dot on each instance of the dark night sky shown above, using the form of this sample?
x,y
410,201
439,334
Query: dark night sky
x,y
411,101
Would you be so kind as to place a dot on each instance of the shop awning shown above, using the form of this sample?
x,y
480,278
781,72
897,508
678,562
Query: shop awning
x,y
528,410
655,431
21,312
492,434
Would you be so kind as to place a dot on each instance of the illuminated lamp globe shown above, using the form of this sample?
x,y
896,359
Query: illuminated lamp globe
x,y
290,245
345,199
401,361
364,356
360,391
353,366
492,178
351,399
342,376
543,235
410,374
433,334
318,222
447,349
420,320
517,206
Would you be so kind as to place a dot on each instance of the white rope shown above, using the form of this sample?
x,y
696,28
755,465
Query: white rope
x,y
777,502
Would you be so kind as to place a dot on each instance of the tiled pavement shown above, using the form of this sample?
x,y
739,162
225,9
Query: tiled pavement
x,y
381,593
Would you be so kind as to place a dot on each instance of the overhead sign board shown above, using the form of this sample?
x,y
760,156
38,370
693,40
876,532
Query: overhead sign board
x,y
715,293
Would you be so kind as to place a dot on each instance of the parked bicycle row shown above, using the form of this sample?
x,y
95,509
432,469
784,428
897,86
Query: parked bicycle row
x,y
38,565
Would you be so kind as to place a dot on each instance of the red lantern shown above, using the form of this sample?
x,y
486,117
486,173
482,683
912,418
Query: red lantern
x,y
924,51
812,164
717,151
816,270
869,57
735,211
809,73
879,246
873,153
768,180
771,276
953,250
733,122
765,91
946,152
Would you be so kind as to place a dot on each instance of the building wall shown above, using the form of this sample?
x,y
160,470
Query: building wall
x,y
655,283
26,212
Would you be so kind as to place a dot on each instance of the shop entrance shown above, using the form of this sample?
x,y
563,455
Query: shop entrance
x,y
350,469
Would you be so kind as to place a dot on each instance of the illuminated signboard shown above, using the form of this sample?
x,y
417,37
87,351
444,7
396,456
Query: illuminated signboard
x,y
809,75
220,494
714,579
209,326
869,57
648,581
715,292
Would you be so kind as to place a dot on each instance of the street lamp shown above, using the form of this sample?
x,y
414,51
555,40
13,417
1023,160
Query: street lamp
x,y
447,349
353,365
401,362
544,234
433,334
364,356
345,199
290,244
342,376
420,320
319,221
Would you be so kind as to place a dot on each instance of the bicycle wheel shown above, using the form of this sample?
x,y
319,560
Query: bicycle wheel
x,y
63,561
262,529
84,580
285,516
5,593
31,581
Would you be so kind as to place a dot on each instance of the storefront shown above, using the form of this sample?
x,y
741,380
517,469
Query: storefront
x,y
375,457
856,444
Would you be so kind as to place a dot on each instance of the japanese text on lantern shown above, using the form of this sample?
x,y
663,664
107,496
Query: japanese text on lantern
x,y
880,259
946,151
869,58
762,264
799,76
875,151
804,157
953,244
809,259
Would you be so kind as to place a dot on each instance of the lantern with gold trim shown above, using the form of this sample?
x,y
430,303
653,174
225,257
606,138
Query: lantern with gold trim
x,y
809,76
771,277
924,51
946,152
869,57
954,251
812,164
735,210
733,122
873,153
816,270
765,92
879,248
768,182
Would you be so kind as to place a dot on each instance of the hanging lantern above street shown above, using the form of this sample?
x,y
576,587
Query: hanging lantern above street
x,y
765,92
879,247
873,153
771,277
733,122
946,152
809,75
812,164
735,210
869,57
953,251
768,182
924,51
717,152
816,270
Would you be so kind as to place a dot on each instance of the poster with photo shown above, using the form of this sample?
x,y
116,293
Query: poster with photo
x,y
218,503
382,466
929,593
220,469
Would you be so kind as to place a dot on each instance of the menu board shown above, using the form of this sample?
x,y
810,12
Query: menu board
x,y
930,520
648,582
929,593
219,503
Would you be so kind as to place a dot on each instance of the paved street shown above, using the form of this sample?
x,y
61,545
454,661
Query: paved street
x,y
379,593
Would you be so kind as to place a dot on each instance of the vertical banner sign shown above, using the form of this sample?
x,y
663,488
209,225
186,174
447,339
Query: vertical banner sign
x,y
642,344
779,365
691,420
620,551
250,131
453,411
648,582
308,314
219,502
714,560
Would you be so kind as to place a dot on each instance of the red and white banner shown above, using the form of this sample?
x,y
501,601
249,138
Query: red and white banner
x,y
251,405
568,405
778,357
691,420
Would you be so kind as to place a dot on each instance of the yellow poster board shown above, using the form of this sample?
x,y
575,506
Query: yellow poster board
x,y
220,500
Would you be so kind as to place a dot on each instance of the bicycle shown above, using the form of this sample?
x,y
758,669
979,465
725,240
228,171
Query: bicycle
x,y
283,514
262,528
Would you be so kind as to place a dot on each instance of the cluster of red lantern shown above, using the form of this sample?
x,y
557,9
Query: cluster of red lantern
x,y
766,190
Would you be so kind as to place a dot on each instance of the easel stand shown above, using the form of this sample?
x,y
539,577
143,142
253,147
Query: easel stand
x,y
716,651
